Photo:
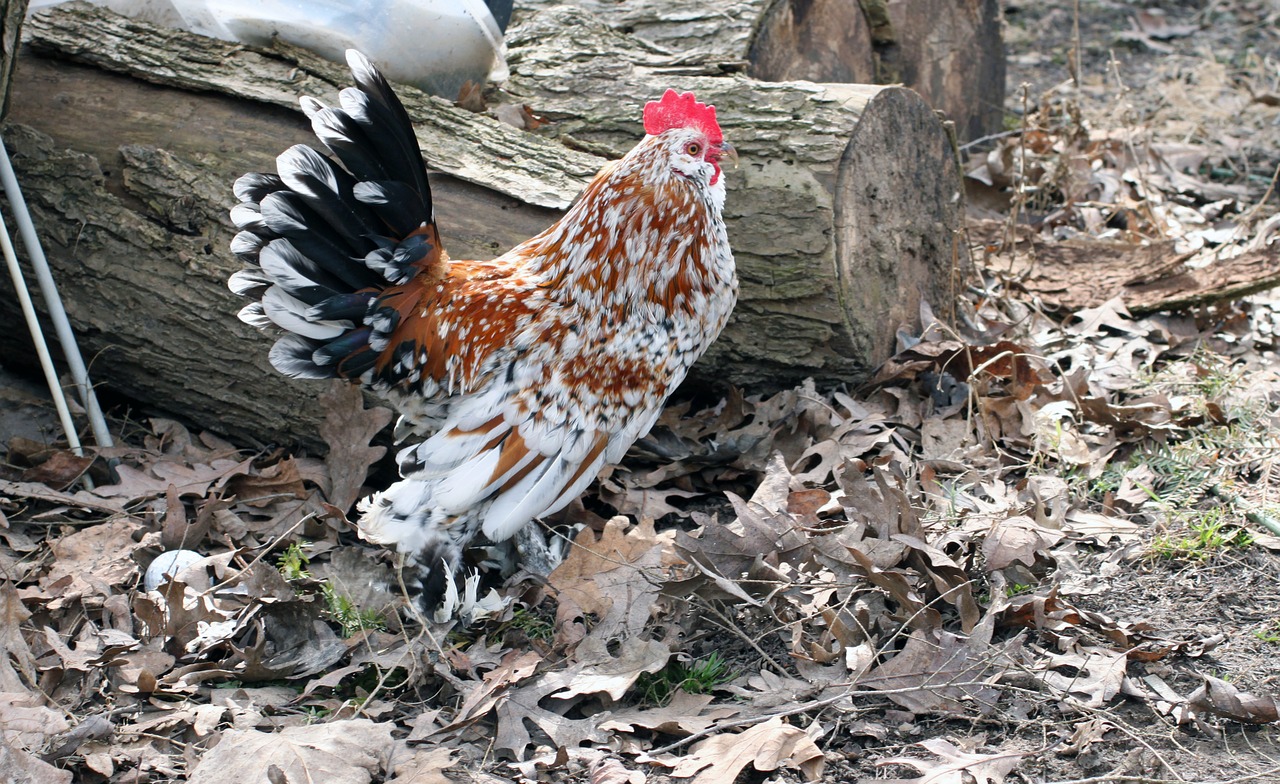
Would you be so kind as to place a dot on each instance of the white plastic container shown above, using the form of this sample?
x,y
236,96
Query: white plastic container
x,y
436,45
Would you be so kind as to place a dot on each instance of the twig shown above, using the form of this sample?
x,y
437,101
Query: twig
x,y
1114,721
989,138
423,623
1110,777
798,709
1076,44
1010,238
265,551
1251,512
729,625
1271,188
751,722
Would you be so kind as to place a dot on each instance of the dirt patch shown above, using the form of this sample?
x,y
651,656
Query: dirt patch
x,y
1188,72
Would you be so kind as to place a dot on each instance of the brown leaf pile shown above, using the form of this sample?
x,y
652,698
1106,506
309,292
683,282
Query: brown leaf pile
x,y
886,557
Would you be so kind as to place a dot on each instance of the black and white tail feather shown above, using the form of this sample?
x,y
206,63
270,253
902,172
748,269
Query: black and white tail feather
x,y
321,243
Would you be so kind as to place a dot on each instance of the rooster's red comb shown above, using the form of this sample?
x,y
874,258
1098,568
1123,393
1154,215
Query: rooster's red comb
x,y
681,111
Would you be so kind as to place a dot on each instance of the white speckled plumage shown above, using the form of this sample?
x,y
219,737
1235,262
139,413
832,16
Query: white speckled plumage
x,y
525,374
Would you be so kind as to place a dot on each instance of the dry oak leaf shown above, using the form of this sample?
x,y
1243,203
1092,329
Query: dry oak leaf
x,y
1017,540
617,651
1100,528
1221,698
1084,735
26,722
949,578
1060,620
524,705
347,429
418,765
1094,675
766,747
619,546
598,573
91,561
956,766
1156,24
17,765
945,439
515,668
87,654
937,671
1266,540
644,503
268,485
340,752
684,715
763,532
60,470
17,662
601,672
80,499
194,479
609,771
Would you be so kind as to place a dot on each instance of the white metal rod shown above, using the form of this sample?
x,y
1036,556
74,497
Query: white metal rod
x,y
37,337
57,314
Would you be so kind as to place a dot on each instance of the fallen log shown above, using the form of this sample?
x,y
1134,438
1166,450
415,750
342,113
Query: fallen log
x,y
843,215
1072,275
949,51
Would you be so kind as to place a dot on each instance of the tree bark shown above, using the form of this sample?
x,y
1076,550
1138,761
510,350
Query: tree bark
x,y
952,53
843,214
11,14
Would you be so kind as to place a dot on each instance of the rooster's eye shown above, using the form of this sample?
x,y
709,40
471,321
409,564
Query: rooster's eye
x,y
693,149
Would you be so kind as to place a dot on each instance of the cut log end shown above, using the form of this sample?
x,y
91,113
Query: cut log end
x,y
898,218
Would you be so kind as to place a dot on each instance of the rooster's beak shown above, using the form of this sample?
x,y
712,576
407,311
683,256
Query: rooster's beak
x,y
728,151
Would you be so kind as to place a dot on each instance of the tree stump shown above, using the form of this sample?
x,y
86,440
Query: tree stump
x,y
843,214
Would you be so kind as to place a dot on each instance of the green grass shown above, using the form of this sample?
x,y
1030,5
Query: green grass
x,y
293,563
534,625
315,714
1269,633
350,618
1224,427
372,678
699,677
1210,535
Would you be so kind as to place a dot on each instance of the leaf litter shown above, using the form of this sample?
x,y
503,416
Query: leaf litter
x,y
1005,553
857,583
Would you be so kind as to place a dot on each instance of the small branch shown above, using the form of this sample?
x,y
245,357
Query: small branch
x,y
1114,777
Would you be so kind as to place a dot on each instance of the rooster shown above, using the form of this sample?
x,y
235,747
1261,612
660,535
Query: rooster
x,y
524,375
